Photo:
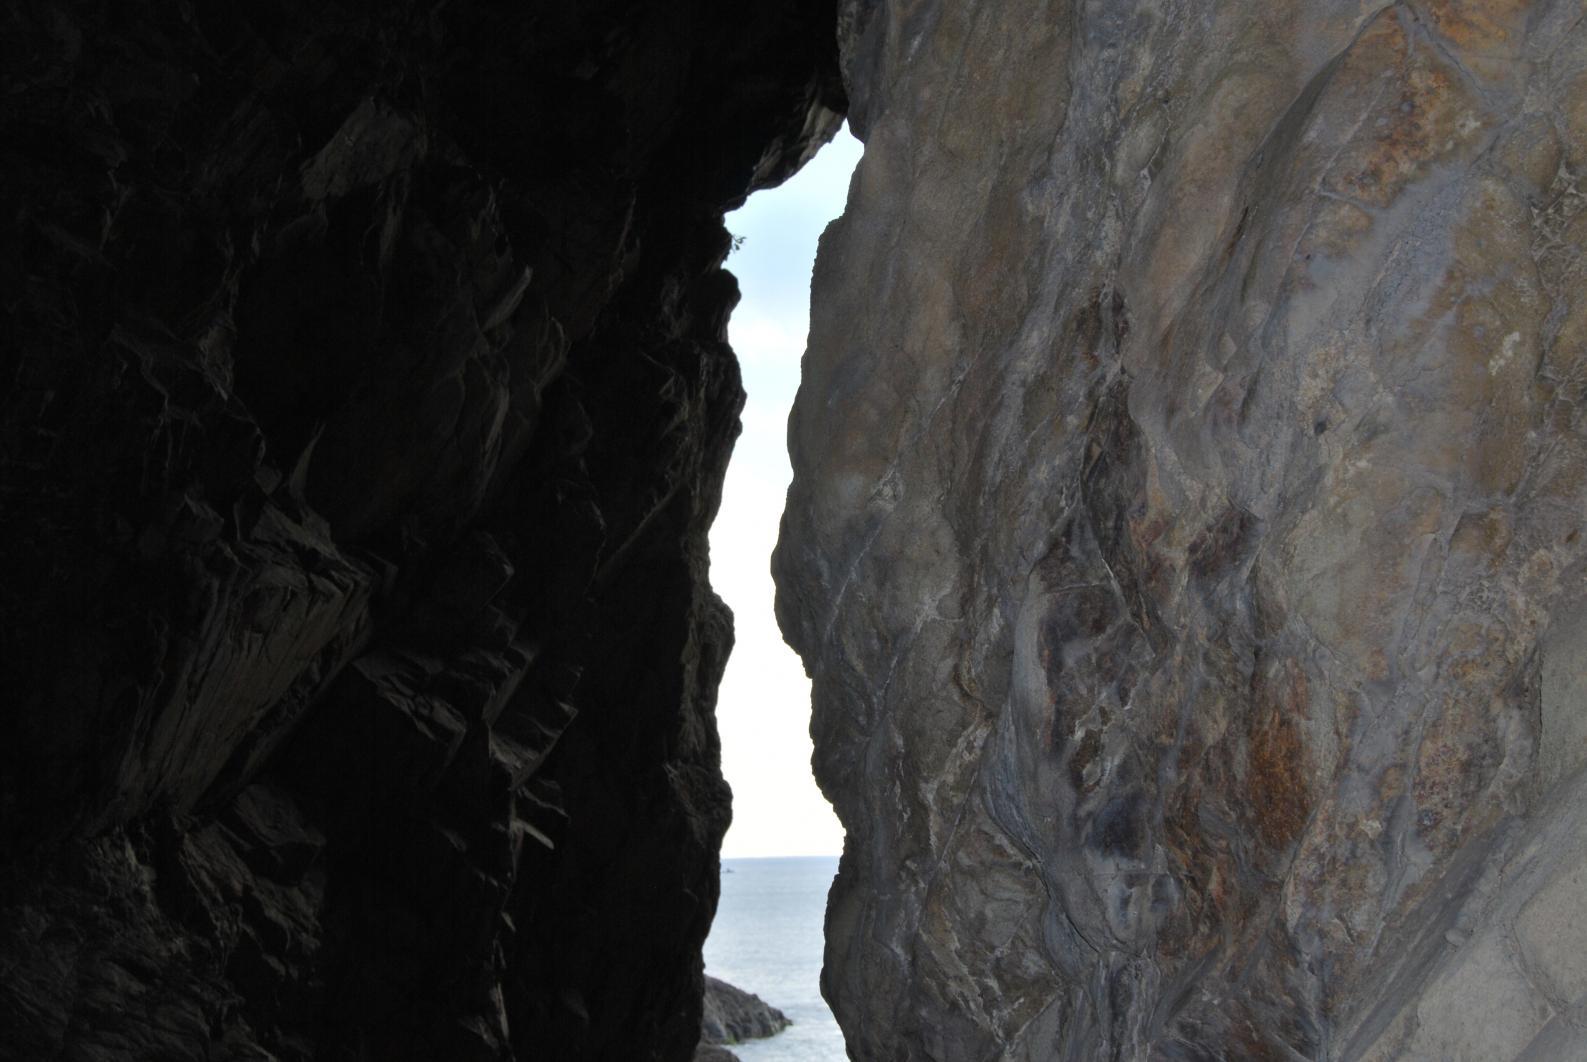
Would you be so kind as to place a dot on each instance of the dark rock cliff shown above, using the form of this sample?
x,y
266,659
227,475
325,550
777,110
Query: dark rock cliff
x,y
732,1014
366,402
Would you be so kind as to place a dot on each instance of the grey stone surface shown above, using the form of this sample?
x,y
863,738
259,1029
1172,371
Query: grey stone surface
x,y
732,1015
1186,534
1562,745
1552,932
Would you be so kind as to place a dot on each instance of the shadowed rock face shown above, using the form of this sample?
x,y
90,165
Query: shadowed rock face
x,y
366,404
732,1015
1186,533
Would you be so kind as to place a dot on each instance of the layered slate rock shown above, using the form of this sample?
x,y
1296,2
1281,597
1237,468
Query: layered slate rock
x,y
366,404
1186,539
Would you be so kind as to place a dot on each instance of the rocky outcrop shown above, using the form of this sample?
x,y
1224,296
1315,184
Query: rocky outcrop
x,y
732,1015
366,404
1186,539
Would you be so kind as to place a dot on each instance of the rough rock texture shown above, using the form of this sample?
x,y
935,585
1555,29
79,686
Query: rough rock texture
x,y
732,1014
713,1053
1186,539
366,402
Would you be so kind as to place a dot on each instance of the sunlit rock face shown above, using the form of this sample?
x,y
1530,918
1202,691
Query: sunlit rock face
x,y
366,402
1186,537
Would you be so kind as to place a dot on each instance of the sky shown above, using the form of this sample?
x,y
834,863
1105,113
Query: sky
x,y
763,709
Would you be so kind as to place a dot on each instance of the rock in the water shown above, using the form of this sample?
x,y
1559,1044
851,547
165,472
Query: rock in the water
x,y
1187,533
713,1053
732,1015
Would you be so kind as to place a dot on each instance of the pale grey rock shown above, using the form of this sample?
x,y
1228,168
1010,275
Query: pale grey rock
x,y
1185,540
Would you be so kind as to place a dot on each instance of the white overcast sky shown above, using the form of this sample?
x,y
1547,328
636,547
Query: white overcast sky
x,y
764,706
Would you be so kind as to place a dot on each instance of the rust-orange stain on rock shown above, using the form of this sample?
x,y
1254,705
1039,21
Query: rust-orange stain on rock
x,y
1423,113
1479,25
1278,781
1216,905
1460,754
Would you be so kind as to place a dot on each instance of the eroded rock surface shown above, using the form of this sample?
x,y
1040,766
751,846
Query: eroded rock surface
x,y
1186,538
366,402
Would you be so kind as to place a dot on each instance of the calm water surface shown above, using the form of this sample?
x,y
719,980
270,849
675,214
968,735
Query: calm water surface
x,y
767,940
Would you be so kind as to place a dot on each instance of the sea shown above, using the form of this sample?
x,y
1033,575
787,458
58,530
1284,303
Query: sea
x,y
767,940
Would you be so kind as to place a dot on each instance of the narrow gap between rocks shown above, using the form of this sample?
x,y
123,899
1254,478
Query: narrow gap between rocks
x,y
781,853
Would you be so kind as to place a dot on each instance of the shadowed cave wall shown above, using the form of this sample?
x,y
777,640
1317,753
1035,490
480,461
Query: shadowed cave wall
x,y
367,401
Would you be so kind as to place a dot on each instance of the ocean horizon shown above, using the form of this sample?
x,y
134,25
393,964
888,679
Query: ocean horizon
x,y
767,939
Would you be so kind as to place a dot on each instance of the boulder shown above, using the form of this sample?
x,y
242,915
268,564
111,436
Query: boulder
x,y
733,1015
